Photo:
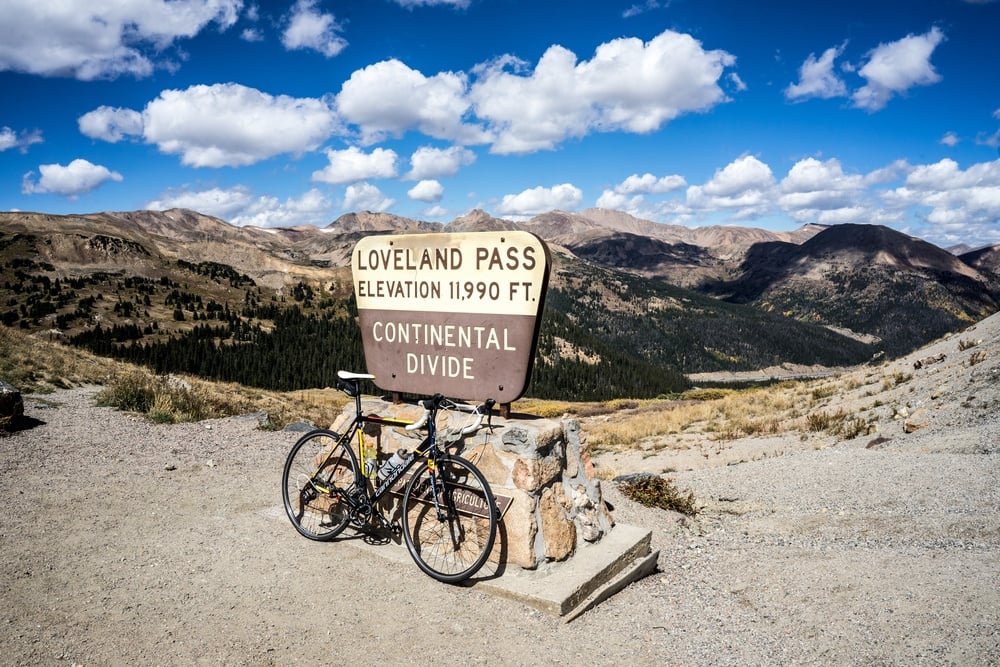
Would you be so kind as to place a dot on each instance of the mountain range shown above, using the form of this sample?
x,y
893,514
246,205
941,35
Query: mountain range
x,y
674,297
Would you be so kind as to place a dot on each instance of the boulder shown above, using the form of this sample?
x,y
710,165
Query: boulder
x,y
11,403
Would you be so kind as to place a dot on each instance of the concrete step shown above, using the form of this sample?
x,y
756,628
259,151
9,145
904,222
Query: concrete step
x,y
591,575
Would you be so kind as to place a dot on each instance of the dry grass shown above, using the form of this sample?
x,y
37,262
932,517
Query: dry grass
x,y
34,364
805,407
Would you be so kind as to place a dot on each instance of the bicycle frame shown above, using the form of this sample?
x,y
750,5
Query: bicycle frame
x,y
427,447
446,511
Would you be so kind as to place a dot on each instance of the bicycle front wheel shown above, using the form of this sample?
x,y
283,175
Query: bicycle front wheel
x,y
449,519
319,473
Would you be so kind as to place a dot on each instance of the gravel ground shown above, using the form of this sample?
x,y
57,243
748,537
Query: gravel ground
x,y
126,542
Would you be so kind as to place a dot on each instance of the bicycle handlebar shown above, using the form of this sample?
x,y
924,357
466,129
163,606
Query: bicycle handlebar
x,y
437,401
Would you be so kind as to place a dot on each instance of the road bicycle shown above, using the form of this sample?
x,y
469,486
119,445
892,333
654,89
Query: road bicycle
x,y
447,512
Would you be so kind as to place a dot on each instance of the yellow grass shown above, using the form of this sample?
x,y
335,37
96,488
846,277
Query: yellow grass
x,y
34,364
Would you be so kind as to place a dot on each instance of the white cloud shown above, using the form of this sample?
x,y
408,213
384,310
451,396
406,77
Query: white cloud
x,y
352,165
434,162
896,67
429,191
312,208
410,4
649,184
629,85
389,98
962,204
76,178
217,202
643,7
817,78
229,125
895,171
101,39
610,199
950,139
110,124
744,187
435,212
19,140
239,206
812,186
309,28
365,197
565,197
991,140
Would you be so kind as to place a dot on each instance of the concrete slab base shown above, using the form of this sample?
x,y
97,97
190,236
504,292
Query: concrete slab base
x,y
593,574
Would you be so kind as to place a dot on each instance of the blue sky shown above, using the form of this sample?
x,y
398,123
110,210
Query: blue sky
x,y
691,112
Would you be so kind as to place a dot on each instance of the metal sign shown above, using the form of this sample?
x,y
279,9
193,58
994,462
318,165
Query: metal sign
x,y
455,314
466,499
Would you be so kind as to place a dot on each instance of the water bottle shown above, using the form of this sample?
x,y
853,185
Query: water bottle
x,y
395,461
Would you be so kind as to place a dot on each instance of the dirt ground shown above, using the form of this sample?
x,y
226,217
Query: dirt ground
x,y
126,542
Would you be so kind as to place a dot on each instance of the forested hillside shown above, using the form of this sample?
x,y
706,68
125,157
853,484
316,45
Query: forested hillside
x,y
604,333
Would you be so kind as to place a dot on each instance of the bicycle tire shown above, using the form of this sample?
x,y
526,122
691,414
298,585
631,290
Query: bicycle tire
x,y
318,472
454,548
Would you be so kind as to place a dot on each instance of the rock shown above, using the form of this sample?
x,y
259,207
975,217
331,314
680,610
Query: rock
x,y
532,474
912,424
11,403
559,531
299,427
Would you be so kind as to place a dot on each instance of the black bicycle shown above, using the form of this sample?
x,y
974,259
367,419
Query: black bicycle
x,y
448,514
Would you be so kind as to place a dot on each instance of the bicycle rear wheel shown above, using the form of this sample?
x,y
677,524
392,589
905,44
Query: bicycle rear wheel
x,y
449,519
319,473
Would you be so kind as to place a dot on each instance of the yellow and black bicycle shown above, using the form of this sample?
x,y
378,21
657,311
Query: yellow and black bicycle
x,y
447,514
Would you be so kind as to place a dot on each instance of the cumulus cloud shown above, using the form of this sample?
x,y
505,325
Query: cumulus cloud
x,y
565,197
365,197
389,98
629,85
101,39
20,140
959,204
896,67
649,184
218,202
813,186
434,162
352,165
617,201
817,78
429,191
229,125
312,208
239,206
744,175
110,124
76,178
309,28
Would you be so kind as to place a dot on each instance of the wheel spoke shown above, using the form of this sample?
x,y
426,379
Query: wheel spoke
x,y
318,475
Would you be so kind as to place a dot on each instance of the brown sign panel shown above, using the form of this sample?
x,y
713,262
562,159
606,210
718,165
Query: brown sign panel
x,y
456,314
467,500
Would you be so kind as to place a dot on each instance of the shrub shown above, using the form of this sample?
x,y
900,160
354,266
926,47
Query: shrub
x,y
133,392
653,491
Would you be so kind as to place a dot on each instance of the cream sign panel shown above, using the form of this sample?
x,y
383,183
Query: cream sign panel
x,y
451,313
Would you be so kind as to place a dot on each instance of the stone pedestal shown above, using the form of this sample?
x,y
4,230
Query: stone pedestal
x,y
541,465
